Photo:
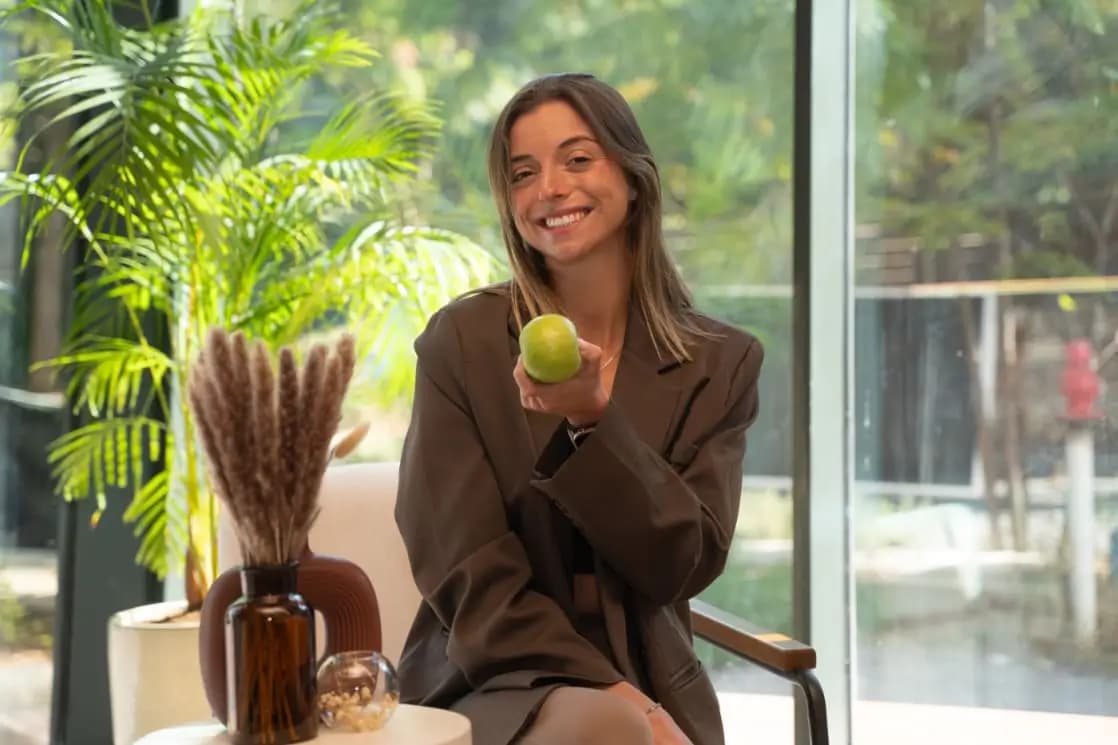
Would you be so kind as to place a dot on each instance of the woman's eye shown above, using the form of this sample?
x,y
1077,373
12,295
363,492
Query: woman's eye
x,y
578,160
520,176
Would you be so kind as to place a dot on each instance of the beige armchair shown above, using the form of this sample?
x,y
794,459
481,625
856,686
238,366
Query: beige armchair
x,y
357,522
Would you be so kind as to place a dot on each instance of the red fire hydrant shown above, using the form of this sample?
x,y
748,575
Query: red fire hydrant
x,y
1080,383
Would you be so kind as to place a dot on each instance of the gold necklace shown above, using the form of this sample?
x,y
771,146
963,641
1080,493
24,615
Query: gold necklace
x,y
609,361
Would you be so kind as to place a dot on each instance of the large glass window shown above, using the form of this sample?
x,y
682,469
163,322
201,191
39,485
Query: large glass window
x,y
983,330
986,312
711,84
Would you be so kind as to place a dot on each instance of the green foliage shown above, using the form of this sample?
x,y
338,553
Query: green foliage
x,y
995,119
998,119
208,189
711,83
760,593
23,627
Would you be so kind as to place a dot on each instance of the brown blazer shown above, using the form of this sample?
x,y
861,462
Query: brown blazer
x,y
490,496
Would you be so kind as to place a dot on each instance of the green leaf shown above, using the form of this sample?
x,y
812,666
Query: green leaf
x,y
107,374
78,458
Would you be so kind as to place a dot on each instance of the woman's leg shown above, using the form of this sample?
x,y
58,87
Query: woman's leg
x,y
571,715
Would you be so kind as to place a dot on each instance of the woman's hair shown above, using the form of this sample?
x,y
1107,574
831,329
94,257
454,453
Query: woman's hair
x,y
657,286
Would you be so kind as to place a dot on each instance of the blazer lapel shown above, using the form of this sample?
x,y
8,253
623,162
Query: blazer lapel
x,y
652,387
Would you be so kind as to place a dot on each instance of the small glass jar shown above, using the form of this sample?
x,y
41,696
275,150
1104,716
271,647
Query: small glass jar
x,y
357,691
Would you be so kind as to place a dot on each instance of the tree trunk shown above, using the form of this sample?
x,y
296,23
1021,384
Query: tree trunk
x,y
1004,264
1012,333
982,424
1102,238
49,305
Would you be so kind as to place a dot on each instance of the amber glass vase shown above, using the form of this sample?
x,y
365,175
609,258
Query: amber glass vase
x,y
270,660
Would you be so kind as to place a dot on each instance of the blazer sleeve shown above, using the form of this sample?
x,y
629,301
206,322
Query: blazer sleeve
x,y
665,529
469,566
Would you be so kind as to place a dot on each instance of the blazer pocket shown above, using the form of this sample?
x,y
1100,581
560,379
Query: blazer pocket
x,y
682,454
686,675
694,706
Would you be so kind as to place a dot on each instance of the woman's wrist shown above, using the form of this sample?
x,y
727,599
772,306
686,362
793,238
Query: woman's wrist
x,y
591,416
579,433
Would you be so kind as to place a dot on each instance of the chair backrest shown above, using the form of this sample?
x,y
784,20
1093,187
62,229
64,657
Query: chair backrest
x,y
357,523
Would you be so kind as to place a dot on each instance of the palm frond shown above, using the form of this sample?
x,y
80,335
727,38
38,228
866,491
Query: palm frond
x,y
52,9
162,523
423,268
104,453
109,374
44,195
376,273
136,109
377,134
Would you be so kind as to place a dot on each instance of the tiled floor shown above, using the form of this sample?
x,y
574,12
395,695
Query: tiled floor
x,y
25,688
28,585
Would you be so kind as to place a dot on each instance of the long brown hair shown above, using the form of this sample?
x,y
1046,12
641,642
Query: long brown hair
x,y
657,286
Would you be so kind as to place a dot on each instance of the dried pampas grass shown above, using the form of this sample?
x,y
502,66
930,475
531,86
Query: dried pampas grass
x,y
267,436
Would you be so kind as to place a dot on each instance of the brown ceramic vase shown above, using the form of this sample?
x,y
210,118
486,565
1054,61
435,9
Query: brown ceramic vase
x,y
336,588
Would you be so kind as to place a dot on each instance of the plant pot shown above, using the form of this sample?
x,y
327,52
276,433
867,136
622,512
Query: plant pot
x,y
154,678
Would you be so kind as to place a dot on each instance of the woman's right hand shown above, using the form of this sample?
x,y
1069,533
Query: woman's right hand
x,y
664,729
580,399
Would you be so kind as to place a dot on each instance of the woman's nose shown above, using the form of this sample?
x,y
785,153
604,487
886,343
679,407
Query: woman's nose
x,y
553,184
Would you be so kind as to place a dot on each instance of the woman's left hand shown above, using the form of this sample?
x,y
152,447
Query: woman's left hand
x,y
581,399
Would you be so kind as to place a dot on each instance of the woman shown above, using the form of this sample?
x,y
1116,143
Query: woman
x,y
557,531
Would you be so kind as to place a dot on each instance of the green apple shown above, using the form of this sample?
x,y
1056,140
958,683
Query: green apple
x,y
549,348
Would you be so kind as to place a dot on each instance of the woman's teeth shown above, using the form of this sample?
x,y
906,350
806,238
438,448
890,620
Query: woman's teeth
x,y
564,220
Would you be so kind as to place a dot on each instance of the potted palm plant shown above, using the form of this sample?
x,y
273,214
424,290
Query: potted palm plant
x,y
206,191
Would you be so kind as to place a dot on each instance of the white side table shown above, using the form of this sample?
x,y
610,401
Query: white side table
x,y
409,725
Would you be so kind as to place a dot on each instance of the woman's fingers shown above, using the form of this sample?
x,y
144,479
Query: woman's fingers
x,y
591,354
665,731
520,375
571,398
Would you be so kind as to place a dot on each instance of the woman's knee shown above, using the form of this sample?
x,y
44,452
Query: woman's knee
x,y
588,716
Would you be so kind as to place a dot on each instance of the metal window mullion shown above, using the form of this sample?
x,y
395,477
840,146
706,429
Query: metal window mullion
x,y
822,347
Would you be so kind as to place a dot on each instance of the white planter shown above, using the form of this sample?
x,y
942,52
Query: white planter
x,y
155,680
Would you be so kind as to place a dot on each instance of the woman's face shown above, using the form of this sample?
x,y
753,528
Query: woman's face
x,y
568,198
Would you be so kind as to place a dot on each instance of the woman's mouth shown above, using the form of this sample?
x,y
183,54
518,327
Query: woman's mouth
x,y
564,219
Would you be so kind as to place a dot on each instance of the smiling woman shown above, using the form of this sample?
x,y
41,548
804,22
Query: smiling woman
x,y
561,176
528,508
579,195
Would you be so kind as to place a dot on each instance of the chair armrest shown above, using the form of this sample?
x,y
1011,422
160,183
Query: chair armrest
x,y
773,651
769,649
